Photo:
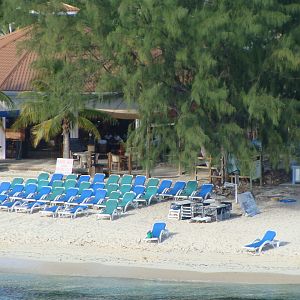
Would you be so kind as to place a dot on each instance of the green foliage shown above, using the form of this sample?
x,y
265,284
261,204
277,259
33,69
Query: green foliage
x,y
202,72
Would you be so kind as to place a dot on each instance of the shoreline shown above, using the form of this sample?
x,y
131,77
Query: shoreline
x,y
88,269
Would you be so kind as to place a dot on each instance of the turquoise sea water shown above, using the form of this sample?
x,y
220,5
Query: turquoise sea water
x,y
59,287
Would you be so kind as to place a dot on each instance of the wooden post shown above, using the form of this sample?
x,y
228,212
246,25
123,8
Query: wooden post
x,y
109,162
129,163
148,152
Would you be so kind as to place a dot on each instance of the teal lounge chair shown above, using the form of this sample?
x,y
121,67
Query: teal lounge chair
x,y
71,177
156,234
190,188
127,201
148,197
16,180
124,188
258,244
109,211
126,179
153,182
113,178
43,176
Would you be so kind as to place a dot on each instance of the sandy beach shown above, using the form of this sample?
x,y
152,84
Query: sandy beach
x,y
201,252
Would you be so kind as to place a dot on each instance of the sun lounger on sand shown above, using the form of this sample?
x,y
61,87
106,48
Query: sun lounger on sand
x,y
127,201
29,207
258,244
51,211
110,210
203,193
148,196
139,180
174,191
156,234
74,211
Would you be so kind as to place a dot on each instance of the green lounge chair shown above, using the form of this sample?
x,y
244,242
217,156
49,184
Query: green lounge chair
x,y
113,178
71,177
126,179
125,188
148,197
43,176
152,182
42,183
112,188
190,188
16,180
54,195
70,183
127,201
83,186
109,211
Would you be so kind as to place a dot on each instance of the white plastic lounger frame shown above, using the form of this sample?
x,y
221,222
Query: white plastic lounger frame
x,y
79,211
116,213
163,233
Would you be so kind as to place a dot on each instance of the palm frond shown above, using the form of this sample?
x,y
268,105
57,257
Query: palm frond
x,y
94,114
46,130
6,100
88,126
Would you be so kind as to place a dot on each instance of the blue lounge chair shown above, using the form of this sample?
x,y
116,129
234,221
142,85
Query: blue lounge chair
x,y
258,244
17,189
203,193
83,178
4,187
139,180
51,211
174,191
97,199
98,178
74,211
29,191
109,211
30,207
85,196
127,201
40,195
156,234
138,190
69,195
98,185
164,185
56,176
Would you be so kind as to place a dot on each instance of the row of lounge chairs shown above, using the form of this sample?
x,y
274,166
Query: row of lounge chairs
x,y
56,196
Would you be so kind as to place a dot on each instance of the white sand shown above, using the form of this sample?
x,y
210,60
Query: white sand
x,y
210,247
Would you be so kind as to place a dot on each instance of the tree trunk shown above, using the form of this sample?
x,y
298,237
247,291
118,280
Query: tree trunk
x,y
66,140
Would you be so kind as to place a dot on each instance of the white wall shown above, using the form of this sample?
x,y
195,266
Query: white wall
x,y
2,139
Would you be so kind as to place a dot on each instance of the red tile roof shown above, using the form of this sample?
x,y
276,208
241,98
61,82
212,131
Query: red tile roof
x,y
15,71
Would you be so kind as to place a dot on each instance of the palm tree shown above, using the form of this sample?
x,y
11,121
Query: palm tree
x,y
4,99
51,117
